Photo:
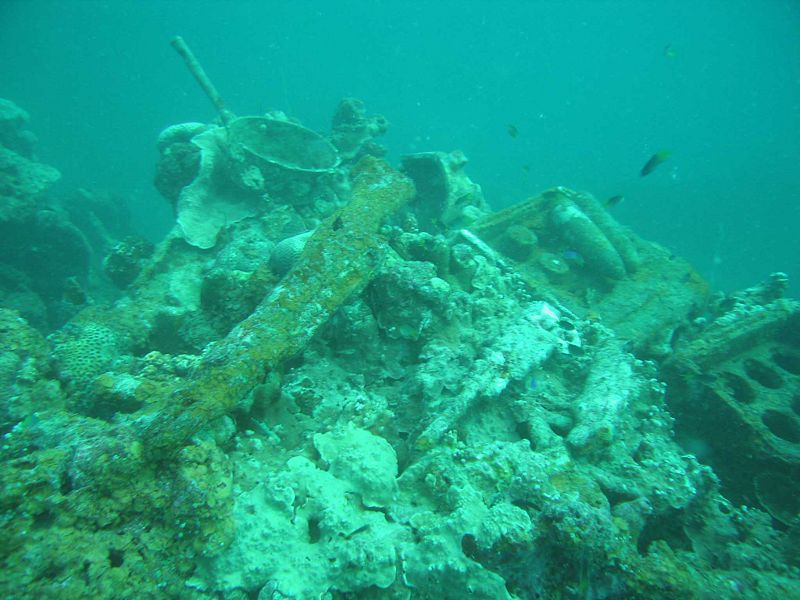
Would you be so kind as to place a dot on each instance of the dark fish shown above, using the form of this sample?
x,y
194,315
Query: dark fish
x,y
655,160
513,131
614,200
526,168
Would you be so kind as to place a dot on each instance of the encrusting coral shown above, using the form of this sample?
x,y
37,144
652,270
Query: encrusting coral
x,y
372,395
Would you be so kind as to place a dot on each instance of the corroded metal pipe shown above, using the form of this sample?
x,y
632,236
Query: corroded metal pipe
x,y
338,261
199,74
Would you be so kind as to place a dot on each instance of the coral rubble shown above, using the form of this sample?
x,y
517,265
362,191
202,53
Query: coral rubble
x,y
334,379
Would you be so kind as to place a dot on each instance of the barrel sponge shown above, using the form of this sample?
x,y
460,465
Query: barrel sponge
x,y
367,463
586,237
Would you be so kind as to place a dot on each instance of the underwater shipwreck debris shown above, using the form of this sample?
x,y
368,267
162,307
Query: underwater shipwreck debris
x,y
197,71
446,198
328,403
241,164
530,338
597,265
335,265
736,386
583,234
566,219
779,494
284,144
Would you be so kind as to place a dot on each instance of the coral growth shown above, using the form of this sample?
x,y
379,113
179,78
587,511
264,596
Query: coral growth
x,y
368,385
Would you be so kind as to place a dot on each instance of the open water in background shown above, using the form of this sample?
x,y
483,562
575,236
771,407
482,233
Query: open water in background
x,y
593,88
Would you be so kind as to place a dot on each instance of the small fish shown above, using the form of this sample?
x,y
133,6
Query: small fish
x,y
526,168
574,257
513,131
669,51
614,200
655,160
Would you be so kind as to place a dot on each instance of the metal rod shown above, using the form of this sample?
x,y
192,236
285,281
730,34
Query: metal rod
x,y
200,75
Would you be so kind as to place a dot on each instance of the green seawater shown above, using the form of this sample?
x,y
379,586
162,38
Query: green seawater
x,y
593,89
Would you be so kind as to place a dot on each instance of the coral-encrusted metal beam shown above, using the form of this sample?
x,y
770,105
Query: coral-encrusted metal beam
x,y
338,261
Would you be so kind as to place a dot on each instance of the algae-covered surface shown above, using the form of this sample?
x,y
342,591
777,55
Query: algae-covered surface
x,y
346,375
